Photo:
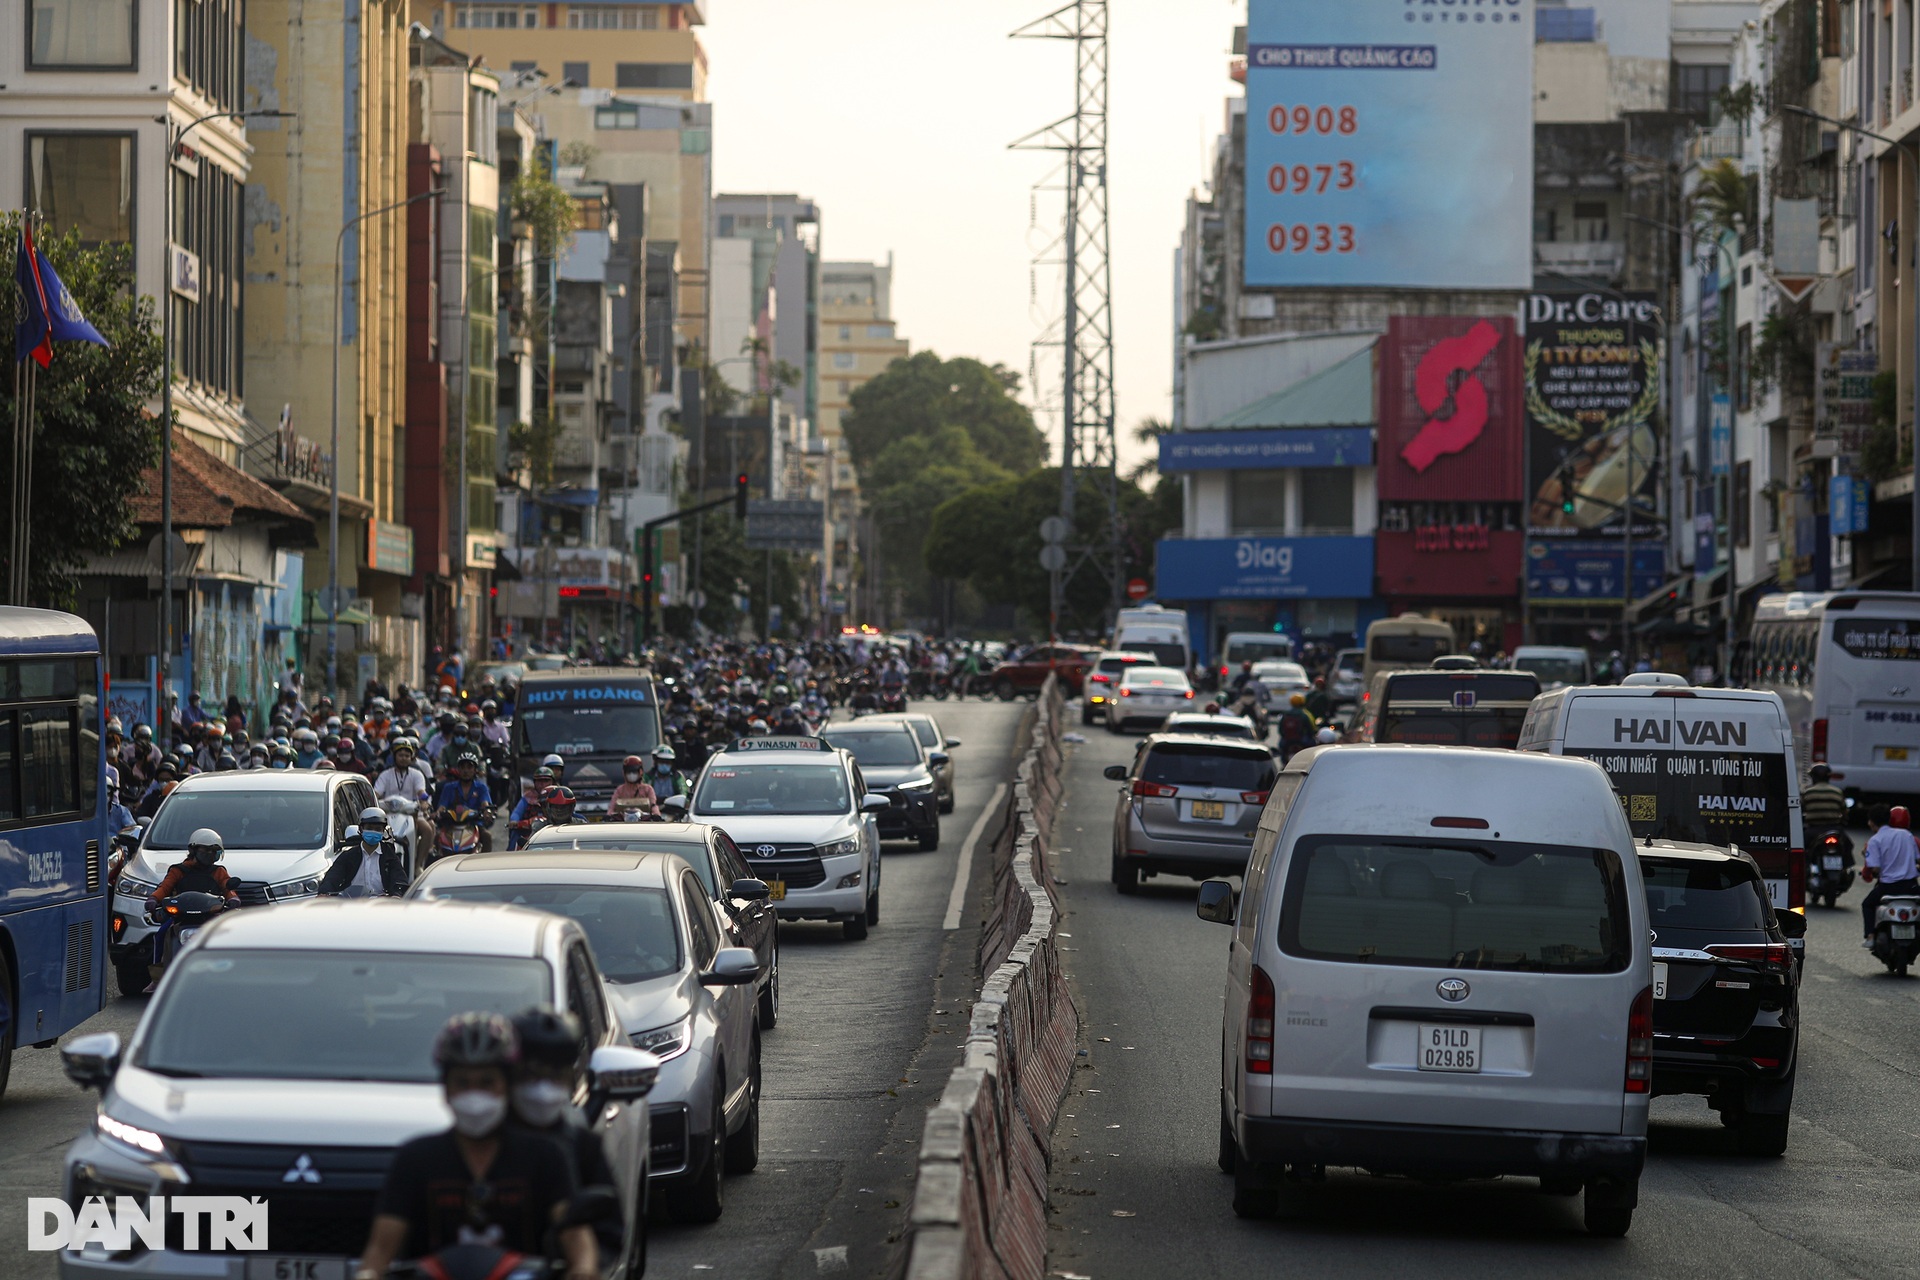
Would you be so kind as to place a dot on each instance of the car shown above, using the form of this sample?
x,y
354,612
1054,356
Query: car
x,y
1100,685
927,729
500,671
281,827
1556,666
896,766
801,810
1283,679
1443,707
1438,968
1027,672
748,918
289,1052
1726,1006
1217,725
1188,808
679,992
1344,683
1148,693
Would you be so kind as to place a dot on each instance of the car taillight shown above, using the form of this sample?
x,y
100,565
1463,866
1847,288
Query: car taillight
x,y
1260,1024
1126,693
1640,1043
1189,693
1819,741
1099,678
1253,797
1154,790
1797,879
1773,955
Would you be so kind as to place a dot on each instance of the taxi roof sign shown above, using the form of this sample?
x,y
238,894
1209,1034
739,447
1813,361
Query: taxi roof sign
x,y
766,742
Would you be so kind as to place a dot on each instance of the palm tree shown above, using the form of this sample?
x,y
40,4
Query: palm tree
x,y
1722,203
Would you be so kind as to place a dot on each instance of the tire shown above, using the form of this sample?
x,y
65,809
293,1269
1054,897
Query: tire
x,y
1828,899
946,805
856,928
1229,1153
1126,876
873,909
1004,690
929,841
131,976
703,1197
1250,1201
770,996
1762,1135
9,1024
743,1148
1608,1208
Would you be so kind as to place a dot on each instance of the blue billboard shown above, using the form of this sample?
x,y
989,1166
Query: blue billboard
x,y
1264,568
1279,447
1390,143
1582,571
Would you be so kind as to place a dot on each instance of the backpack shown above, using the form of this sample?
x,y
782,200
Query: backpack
x,y
1293,727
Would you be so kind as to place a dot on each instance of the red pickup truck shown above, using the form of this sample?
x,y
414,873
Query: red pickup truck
x,y
1024,675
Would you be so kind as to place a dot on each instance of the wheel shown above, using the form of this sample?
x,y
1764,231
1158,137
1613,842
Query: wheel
x,y
1608,1207
1126,876
1229,1152
940,692
1249,1200
131,976
856,928
8,1029
702,1198
1762,1135
1004,690
770,996
1828,899
930,840
946,804
873,907
743,1148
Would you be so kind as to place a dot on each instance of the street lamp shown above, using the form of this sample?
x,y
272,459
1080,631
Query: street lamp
x,y
174,142
333,508
1912,157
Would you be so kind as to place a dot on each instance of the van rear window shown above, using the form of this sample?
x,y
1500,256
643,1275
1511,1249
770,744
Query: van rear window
x,y
1181,764
1529,908
1415,649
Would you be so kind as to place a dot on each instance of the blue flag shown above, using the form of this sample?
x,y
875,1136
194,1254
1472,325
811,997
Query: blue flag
x,y
48,312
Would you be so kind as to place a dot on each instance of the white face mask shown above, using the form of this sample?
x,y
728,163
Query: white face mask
x,y
540,1102
633,775
477,1113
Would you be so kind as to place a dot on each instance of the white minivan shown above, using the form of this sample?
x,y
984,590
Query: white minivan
x,y
1439,968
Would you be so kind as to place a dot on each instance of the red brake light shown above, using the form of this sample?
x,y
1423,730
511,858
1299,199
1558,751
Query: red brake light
x,y
1260,1024
1469,824
1640,1043
1126,693
1100,677
1253,797
1153,790
1774,955
1819,751
1189,693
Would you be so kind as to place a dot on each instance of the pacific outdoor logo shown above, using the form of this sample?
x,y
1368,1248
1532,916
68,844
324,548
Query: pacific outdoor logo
x,y
1696,733
1451,393
226,1222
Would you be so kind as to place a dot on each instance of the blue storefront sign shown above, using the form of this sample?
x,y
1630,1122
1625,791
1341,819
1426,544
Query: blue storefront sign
x,y
1264,568
1587,572
1847,505
1280,447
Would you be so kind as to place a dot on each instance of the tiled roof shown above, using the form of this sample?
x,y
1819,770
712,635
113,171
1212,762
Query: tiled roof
x,y
208,493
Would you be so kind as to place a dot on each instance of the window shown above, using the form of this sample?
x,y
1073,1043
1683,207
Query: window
x,y
84,182
879,331
493,17
843,359
1743,504
81,34
483,133
579,74
583,993
700,923
1743,367
846,333
1257,501
1696,89
611,17
9,802
846,388
653,75
617,115
48,761
1590,221
1326,500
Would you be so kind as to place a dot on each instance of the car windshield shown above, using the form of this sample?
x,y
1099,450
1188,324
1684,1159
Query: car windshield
x,y
326,1015
730,789
1468,905
1559,670
1172,655
877,748
1281,672
925,731
1436,728
1256,650
1149,677
580,730
631,929
1684,894
1190,764
245,819
1350,660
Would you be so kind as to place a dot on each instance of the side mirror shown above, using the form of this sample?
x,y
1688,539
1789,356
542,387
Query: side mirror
x,y
622,1074
1792,923
749,890
146,822
1115,773
939,759
674,804
873,802
732,967
952,743
91,1060
1216,902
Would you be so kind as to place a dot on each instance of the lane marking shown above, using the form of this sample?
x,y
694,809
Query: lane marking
x,y
958,898
830,1260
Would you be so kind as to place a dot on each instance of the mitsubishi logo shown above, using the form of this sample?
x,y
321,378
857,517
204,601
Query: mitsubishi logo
x,y
302,1171
765,850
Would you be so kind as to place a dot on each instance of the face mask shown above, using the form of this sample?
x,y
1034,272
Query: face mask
x,y
372,837
540,1102
633,775
477,1113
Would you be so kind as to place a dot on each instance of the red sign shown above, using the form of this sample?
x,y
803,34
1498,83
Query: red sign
x,y
1137,589
1448,561
1452,408
1452,537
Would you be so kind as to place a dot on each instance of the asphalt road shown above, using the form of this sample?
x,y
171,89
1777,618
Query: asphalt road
x,y
868,1034
1136,1192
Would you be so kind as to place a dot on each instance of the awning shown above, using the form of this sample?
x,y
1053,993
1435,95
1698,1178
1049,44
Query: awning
x,y
1340,395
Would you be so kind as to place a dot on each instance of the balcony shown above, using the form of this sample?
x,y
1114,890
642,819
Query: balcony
x,y
1722,142
1591,259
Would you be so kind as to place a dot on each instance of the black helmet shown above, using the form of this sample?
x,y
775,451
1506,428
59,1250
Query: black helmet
x,y
446,721
166,769
548,1037
226,762
476,1040
206,847
1819,773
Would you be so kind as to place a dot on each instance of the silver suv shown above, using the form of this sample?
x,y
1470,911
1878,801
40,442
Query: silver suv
x,y
1189,807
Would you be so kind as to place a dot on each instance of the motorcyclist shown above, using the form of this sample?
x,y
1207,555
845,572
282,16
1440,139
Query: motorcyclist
x,y
281,757
445,1188
526,809
557,810
465,789
1889,862
199,872
140,758
306,749
459,743
634,792
1319,702
1295,726
495,729
1823,806
166,776
864,698
543,1086
369,866
665,779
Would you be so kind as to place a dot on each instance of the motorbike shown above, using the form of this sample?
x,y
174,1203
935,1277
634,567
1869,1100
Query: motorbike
x,y
182,916
459,832
941,687
500,772
588,1206
1896,932
629,811
1829,867
892,700
400,812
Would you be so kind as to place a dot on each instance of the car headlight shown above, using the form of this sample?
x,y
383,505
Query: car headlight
x,y
145,1142
665,1042
293,888
918,784
134,888
840,848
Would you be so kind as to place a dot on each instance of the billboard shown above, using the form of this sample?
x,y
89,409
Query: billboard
x,y
1264,568
1593,373
1390,144
1578,571
1451,403
1278,447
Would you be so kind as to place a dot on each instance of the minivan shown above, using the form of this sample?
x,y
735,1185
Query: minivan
x,y
1439,968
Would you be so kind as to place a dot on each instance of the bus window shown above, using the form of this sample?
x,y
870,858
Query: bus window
x,y
9,803
46,762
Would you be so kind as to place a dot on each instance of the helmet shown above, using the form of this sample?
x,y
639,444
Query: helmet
x,y
553,761
1899,817
331,743
142,733
403,744
226,762
166,769
216,730
259,749
283,754
206,847
560,802
489,707
324,765
475,724
1297,700
373,816
1819,773
446,721
1326,735
476,1040
548,1037
543,774
333,724
663,754
633,762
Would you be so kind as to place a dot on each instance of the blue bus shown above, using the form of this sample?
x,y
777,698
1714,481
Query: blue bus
x,y
53,829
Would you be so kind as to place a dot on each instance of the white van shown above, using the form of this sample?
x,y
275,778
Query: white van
x,y
1439,967
1557,666
1165,638
1252,646
1702,766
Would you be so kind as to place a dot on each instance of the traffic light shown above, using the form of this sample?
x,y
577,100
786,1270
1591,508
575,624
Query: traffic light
x,y
740,496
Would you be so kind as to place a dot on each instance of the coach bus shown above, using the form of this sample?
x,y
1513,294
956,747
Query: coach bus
x,y
53,828
1397,644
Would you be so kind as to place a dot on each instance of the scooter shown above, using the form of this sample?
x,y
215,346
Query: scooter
x,y
459,832
1829,867
893,700
400,811
182,916
1896,932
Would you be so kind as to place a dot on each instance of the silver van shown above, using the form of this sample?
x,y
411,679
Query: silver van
x,y
1439,967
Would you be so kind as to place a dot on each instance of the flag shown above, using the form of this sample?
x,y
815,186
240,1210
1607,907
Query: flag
x,y
48,312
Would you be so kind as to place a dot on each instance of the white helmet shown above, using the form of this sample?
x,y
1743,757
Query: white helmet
x,y
1326,735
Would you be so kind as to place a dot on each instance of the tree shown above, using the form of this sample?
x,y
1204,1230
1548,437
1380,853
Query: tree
x,y
921,394
93,432
904,485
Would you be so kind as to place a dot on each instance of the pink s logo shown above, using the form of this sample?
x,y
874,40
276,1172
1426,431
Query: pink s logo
x,y
1446,374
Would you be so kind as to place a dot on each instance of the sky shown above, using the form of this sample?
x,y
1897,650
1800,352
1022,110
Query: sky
x,y
896,115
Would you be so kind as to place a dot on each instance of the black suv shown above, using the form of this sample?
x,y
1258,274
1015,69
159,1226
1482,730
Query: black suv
x,y
1726,1013
895,765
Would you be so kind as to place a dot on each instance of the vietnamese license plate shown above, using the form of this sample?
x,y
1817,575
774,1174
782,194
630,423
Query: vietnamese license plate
x,y
296,1269
1833,861
1210,810
1659,980
1449,1047
1893,753
776,890
1902,932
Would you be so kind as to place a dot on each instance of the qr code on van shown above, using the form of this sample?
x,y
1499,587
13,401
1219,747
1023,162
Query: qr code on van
x,y
1642,809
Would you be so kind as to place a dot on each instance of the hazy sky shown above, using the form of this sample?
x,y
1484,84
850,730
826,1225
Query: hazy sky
x,y
895,116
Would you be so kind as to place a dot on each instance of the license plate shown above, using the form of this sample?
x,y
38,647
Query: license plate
x,y
296,1269
1659,980
1210,810
1833,862
1893,753
1903,931
776,890
1449,1047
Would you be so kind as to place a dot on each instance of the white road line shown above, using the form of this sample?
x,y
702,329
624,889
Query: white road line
x,y
826,1261
958,898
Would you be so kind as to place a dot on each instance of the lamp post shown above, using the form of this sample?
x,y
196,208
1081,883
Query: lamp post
x,y
1911,155
333,503
174,142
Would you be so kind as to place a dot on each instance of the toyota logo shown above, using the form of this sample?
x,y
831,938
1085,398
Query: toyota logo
x,y
1453,989
764,850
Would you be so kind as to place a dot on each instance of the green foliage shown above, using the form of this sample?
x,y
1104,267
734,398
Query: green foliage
x,y
537,442
93,433
1722,203
921,394
578,152
1737,102
540,202
728,568
904,485
1785,353
1204,325
1884,454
